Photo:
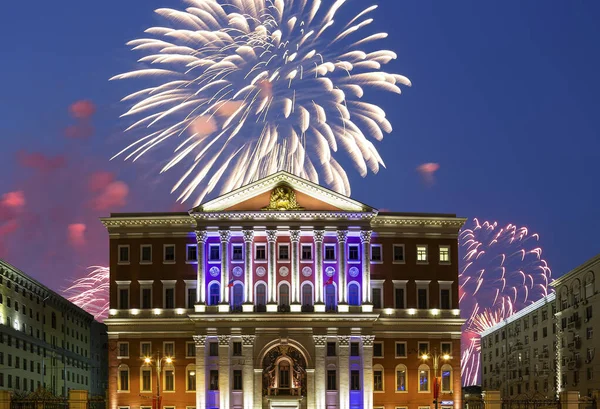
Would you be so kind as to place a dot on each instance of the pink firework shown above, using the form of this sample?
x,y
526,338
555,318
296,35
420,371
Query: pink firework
x,y
91,292
501,272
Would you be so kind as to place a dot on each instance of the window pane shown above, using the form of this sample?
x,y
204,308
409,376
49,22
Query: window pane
x,y
237,253
284,252
401,380
378,381
399,297
376,298
192,253
306,252
445,299
191,297
398,253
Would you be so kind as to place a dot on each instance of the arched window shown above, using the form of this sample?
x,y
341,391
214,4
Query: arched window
x,y
214,294
284,294
307,296
576,291
190,383
423,378
401,378
330,297
446,378
353,294
261,294
123,381
378,383
589,284
238,295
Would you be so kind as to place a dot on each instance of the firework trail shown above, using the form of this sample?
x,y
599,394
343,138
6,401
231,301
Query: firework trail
x,y
91,292
501,272
245,88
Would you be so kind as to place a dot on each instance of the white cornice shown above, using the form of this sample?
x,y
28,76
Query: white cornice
x,y
418,221
149,220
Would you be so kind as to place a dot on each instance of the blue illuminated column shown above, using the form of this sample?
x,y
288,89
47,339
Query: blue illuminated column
x,y
200,286
295,239
342,236
225,237
318,237
200,341
272,281
248,239
365,239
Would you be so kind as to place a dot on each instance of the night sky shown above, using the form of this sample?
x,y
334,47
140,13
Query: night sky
x,y
504,99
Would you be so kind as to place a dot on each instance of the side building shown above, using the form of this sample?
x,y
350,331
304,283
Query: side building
x,y
45,340
284,294
518,355
578,305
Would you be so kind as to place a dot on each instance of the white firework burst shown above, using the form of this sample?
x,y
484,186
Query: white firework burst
x,y
245,88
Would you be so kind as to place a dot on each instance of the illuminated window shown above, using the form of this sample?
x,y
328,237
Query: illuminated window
x,y
237,253
191,378
353,294
213,380
423,378
378,379
445,254
401,378
214,294
123,378
421,254
446,378
146,380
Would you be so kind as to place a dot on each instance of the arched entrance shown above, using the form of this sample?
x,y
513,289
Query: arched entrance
x,y
284,372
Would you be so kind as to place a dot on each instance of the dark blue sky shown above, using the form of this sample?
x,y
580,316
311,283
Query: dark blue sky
x,y
504,98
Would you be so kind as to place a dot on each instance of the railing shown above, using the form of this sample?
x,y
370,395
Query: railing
x,y
284,391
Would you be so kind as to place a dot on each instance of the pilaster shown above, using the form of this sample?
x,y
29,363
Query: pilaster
x,y
258,398
272,279
295,281
224,370
248,268
320,384
365,239
342,236
344,371
225,237
318,237
248,371
200,341
367,354
200,285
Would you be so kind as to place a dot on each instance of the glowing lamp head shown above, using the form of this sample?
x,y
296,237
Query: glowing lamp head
x,y
435,311
412,311
147,360
388,311
446,357
192,373
169,360
424,357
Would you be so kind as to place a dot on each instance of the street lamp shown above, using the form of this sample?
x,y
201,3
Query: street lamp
x,y
436,385
159,362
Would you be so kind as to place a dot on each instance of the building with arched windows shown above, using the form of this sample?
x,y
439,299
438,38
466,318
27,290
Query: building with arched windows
x,y
283,294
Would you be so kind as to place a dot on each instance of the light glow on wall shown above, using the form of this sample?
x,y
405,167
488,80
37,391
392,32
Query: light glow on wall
x,y
412,311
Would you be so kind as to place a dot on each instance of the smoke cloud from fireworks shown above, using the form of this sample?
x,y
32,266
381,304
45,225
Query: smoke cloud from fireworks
x,y
245,88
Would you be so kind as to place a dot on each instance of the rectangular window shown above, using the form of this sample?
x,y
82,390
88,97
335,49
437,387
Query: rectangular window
x,y
169,251
146,298
331,349
213,349
123,379
146,380
398,253
399,301
123,254
237,349
146,253
400,349
378,350
190,350
214,252
445,299
306,252
588,313
284,252
422,298
354,380
237,380
446,348
213,380
191,380
260,252
191,252
123,350
191,297
237,252
169,380
423,348
376,253
354,349
444,255
329,252
378,381
169,349
376,298
353,252
123,298
145,349
421,254
331,380
169,298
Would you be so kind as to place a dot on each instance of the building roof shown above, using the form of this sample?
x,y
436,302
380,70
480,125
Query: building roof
x,y
584,266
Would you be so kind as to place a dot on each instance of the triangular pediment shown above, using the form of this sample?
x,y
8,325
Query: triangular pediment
x,y
283,191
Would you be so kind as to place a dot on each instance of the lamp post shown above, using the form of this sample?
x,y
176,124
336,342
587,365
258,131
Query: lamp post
x,y
159,361
436,386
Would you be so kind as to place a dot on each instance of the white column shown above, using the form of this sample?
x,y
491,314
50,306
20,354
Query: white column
x,y
295,239
200,285
200,341
225,237
248,371
258,398
342,236
224,382
367,356
310,388
320,386
318,237
272,280
249,281
344,371
365,239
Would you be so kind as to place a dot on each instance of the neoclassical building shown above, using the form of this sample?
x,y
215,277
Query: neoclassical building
x,y
283,294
